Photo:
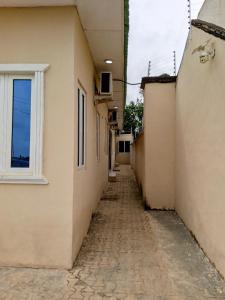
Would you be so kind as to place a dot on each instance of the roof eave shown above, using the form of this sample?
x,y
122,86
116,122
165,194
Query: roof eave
x,y
157,79
36,3
209,28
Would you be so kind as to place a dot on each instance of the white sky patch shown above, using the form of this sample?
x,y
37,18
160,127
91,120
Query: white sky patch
x,y
157,28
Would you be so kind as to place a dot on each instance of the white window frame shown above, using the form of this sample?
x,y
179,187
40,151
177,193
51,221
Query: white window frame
x,y
124,142
106,137
33,174
81,126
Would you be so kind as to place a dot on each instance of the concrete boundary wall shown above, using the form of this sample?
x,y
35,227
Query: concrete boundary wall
x,y
138,160
184,137
155,148
200,144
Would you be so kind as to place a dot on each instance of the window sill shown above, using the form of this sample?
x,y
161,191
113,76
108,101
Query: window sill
x,y
23,180
81,168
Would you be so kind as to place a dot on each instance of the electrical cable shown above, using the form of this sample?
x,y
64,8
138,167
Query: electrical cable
x,y
120,80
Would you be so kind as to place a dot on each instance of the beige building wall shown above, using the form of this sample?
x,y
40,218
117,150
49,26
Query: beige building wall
x,y
132,155
90,180
139,161
123,158
36,220
200,160
41,225
159,131
213,12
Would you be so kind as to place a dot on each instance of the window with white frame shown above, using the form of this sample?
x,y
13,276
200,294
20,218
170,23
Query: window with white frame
x,y
98,135
106,137
81,127
21,123
124,146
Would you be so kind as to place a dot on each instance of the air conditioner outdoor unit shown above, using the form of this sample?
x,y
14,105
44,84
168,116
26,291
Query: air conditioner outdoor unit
x,y
106,84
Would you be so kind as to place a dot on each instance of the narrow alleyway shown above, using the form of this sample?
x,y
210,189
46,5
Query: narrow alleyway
x,y
129,253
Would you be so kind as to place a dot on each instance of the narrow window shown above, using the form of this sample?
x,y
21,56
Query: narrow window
x,y
114,116
121,146
127,146
78,128
105,82
106,137
83,133
21,123
81,128
98,135
21,117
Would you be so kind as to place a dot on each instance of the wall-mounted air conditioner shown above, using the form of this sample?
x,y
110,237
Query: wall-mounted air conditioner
x,y
106,83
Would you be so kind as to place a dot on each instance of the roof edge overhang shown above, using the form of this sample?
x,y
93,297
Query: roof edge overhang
x,y
157,79
210,28
106,30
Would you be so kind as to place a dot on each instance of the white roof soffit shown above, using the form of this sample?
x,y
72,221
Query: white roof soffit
x,y
105,32
103,24
33,3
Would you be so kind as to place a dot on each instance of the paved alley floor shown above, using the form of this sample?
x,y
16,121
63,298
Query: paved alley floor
x,y
129,253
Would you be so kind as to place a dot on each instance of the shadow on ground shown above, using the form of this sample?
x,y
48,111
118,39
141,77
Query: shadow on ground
x,y
128,253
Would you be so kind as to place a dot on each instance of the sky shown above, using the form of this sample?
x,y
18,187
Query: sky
x,y
157,28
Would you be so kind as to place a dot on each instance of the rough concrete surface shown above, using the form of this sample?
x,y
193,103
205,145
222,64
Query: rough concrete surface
x,y
129,253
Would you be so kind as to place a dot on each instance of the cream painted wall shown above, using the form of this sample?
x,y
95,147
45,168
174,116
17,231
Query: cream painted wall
x,y
90,181
44,225
159,128
36,220
132,155
139,161
200,160
123,158
213,12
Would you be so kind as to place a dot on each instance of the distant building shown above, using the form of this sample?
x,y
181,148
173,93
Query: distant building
x,y
123,148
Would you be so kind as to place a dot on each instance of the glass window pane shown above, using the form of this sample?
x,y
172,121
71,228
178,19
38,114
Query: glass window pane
x,y
127,146
98,135
105,83
121,146
78,129
21,116
81,129
83,116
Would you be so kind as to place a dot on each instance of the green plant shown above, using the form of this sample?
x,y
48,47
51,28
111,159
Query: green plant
x,y
133,117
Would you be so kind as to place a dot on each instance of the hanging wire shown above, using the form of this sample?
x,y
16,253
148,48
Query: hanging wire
x,y
161,64
129,83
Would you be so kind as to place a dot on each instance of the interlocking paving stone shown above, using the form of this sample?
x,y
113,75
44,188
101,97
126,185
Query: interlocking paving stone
x,y
128,254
